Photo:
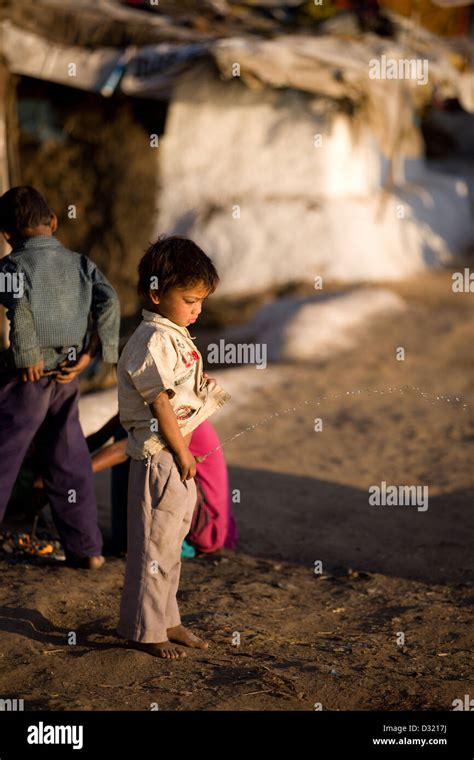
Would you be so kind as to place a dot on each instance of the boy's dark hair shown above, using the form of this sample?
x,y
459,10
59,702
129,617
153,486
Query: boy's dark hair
x,y
175,261
21,208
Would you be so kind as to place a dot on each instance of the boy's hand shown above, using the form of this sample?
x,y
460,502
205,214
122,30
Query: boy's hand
x,y
209,379
187,464
69,371
33,373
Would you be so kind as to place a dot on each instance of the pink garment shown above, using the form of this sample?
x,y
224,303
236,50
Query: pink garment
x,y
213,479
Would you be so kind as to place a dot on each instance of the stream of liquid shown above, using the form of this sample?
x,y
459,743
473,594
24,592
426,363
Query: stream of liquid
x,y
455,401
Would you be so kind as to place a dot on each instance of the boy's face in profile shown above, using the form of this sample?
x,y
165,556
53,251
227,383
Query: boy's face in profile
x,y
180,305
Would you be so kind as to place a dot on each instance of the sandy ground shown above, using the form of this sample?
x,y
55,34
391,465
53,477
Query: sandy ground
x,y
306,638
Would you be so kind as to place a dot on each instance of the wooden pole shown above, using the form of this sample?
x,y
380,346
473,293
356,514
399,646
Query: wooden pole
x,y
9,160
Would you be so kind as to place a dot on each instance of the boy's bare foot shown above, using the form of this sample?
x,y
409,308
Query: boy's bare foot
x,y
86,563
95,563
181,635
164,649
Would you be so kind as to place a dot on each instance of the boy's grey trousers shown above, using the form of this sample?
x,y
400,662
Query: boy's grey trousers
x,y
159,513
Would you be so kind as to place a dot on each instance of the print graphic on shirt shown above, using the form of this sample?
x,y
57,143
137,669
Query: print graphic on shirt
x,y
185,377
184,412
190,358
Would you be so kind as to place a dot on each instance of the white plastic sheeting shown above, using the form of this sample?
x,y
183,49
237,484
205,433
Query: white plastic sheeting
x,y
30,55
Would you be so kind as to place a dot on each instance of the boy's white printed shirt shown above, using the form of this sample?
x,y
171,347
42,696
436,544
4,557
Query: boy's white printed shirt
x,y
161,356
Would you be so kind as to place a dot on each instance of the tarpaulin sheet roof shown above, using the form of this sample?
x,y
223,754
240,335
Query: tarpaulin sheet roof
x,y
334,65
110,23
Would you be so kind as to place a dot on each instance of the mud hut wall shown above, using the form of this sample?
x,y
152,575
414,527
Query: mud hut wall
x,y
241,173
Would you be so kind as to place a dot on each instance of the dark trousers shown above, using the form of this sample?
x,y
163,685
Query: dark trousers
x,y
48,411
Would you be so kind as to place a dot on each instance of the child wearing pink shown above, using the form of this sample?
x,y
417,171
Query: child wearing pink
x,y
213,478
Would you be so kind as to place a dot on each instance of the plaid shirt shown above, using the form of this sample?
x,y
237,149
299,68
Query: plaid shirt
x,y
49,314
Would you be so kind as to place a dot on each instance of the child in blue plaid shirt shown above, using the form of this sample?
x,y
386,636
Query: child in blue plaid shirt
x,y
51,295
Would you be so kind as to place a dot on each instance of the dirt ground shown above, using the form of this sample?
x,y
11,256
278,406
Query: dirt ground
x,y
330,639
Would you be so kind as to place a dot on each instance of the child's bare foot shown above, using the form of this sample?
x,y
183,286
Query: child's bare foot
x,y
181,635
86,563
164,649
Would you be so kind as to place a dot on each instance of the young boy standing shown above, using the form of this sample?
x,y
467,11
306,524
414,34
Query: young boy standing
x,y
163,396
51,294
